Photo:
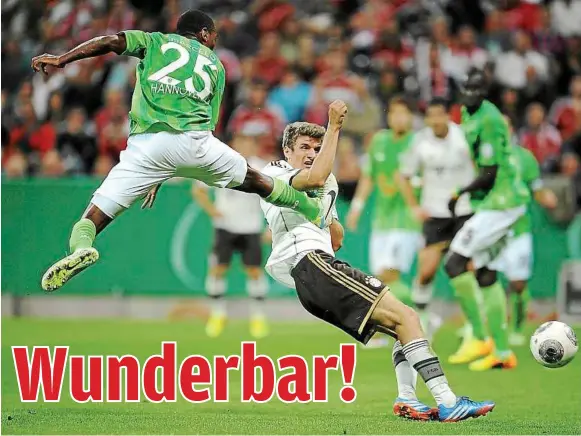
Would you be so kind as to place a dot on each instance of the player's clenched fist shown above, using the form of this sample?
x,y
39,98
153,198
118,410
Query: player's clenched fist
x,y
337,112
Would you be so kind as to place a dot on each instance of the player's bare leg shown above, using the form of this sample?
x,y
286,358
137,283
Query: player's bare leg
x,y
83,254
412,352
256,286
216,287
422,291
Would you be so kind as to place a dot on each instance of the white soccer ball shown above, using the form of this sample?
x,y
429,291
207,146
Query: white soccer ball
x,y
554,344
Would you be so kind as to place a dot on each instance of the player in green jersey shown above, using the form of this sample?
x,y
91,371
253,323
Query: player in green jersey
x,y
499,198
516,259
175,107
395,237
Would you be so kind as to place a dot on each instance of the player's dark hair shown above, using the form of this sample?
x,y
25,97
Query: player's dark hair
x,y
440,101
399,100
301,128
193,21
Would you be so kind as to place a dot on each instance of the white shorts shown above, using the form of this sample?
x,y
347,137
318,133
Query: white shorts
x,y
153,158
393,249
516,259
483,236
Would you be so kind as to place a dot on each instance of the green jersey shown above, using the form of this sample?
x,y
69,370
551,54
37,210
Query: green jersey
x,y
530,173
391,210
489,139
179,84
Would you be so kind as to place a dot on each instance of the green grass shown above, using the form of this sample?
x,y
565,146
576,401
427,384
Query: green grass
x,y
530,399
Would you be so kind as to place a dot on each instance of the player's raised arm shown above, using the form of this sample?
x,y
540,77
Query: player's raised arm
x,y
316,176
97,46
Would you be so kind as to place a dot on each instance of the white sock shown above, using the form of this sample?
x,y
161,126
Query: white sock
x,y
405,375
216,287
419,355
257,290
422,295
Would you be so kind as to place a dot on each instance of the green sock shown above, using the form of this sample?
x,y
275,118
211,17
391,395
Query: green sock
x,y
466,289
83,235
283,195
519,304
402,292
495,305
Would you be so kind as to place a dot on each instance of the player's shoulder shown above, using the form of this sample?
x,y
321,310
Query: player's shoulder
x,y
277,167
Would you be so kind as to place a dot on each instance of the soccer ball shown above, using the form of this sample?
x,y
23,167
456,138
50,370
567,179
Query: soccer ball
x,y
554,344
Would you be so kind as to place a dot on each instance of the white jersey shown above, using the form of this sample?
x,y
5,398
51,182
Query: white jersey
x,y
444,166
293,236
241,212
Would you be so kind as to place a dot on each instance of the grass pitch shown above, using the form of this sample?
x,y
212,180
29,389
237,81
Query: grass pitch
x,y
530,399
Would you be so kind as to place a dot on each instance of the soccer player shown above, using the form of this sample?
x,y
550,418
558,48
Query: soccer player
x,y
175,107
238,227
440,155
500,198
395,236
516,259
359,304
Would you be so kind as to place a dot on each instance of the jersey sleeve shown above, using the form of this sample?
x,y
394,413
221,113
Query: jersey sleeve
x,y
330,193
218,94
409,160
137,43
280,171
531,171
492,138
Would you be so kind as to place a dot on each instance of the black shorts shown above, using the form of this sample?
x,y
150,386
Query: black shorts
x,y
439,230
333,291
248,245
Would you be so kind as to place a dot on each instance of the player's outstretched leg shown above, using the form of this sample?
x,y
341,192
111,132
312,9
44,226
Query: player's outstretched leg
x,y
281,194
391,314
83,254
495,305
466,289
406,404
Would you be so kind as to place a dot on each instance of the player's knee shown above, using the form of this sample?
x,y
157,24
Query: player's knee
x,y
456,265
485,277
389,276
518,286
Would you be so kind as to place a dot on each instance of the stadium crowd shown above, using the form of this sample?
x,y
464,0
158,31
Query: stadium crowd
x,y
285,61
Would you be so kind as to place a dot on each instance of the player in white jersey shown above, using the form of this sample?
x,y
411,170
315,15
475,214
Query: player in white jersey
x,y
235,235
303,257
440,156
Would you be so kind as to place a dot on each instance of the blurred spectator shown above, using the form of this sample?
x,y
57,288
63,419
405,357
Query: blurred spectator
x,y
235,38
42,87
440,42
269,64
565,17
546,41
571,155
465,54
113,103
541,138
521,65
390,51
566,112
56,109
335,80
290,31
271,14
435,81
306,57
31,139
569,63
347,168
511,106
524,15
364,118
84,84
292,95
256,119
112,140
497,38
77,149
14,70
387,87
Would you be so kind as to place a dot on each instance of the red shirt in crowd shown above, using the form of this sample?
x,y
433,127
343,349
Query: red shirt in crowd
x,y
265,123
566,117
41,138
544,142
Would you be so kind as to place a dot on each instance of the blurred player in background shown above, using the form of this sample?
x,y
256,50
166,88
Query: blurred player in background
x,y
516,259
303,258
500,199
175,108
395,237
439,154
238,223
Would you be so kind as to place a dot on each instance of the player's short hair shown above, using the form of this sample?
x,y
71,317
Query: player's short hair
x,y
193,21
439,101
399,100
301,128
